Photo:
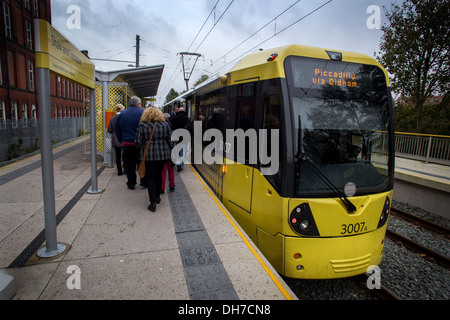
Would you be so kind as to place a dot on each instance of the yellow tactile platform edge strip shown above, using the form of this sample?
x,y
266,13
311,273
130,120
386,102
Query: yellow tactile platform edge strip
x,y
257,256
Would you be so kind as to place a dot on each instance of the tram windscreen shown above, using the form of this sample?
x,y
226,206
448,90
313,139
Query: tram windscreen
x,y
343,113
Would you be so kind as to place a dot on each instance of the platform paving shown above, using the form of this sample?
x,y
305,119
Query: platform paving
x,y
189,249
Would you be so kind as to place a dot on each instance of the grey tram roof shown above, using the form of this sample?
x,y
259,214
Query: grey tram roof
x,y
144,81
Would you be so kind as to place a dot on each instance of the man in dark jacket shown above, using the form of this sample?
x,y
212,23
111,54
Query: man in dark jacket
x,y
182,121
125,129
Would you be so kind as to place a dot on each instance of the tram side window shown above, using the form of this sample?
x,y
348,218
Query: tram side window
x,y
246,115
271,121
271,113
241,115
245,106
245,120
246,90
211,111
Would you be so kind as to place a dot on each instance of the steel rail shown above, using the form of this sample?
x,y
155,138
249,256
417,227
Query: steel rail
x,y
412,245
383,293
422,222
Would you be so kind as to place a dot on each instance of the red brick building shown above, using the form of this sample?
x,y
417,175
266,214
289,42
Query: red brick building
x,y
18,85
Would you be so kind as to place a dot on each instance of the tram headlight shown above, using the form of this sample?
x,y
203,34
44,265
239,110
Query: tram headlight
x,y
302,221
385,213
304,225
337,56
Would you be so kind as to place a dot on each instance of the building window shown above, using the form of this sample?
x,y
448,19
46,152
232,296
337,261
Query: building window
x,y
2,111
14,111
2,115
29,34
24,111
36,8
33,112
12,68
31,74
7,20
1,74
59,86
27,4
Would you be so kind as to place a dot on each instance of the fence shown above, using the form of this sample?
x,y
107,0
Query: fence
x,y
428,148
23,136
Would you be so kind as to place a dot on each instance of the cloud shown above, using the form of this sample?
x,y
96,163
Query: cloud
x,y
166,27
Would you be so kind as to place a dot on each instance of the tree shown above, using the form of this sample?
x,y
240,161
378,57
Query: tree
x,y
171,95
202,79
415,51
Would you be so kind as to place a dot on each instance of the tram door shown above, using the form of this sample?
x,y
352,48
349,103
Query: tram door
x,y
242,174
241,192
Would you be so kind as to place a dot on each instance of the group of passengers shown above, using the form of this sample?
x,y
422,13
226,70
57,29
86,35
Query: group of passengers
x,y
132,129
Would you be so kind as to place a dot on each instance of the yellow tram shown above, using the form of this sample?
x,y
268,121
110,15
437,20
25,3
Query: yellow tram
x,y
322,210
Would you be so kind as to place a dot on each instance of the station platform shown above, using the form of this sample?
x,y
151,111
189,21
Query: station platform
x,y
424,185
191,248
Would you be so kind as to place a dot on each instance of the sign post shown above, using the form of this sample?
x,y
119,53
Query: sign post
x,y
54,53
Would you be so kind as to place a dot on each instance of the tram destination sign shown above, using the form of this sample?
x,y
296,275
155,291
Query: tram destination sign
x,y
60,56
334,78
317,73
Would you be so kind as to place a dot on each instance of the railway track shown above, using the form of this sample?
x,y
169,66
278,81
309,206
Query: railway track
x,y
404,274
384,293
412,245
421,222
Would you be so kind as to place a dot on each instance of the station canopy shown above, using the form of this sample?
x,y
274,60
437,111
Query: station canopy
x,y
143,81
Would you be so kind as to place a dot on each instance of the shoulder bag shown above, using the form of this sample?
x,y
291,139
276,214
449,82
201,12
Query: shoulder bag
x,y
141,168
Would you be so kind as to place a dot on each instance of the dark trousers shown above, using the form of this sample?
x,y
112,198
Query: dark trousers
x,y
153,178
130,161
119,159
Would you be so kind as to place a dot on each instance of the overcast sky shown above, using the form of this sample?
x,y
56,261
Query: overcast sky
x,y
108,30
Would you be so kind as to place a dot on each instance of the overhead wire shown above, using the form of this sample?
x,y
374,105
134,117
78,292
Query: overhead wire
x,y
172,79
215,23
209,32
216,72
274,35
108,51
251,36
154,45
204,23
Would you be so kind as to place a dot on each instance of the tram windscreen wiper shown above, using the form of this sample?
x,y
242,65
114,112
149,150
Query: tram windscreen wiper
x,y
302,157
350,206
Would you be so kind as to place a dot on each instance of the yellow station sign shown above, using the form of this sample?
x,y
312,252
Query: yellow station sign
x,y
60,56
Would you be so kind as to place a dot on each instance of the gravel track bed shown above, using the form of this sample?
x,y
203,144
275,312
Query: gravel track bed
x,y
406,273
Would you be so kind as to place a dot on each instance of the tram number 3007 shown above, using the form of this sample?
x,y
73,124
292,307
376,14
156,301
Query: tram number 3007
x,y
353,228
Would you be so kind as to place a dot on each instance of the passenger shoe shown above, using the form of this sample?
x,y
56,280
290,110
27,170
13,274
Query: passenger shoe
x,y
158,200
152,207
162,192
172,189
120,173
131,187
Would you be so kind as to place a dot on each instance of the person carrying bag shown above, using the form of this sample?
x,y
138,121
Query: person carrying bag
x,y
153,139
141,168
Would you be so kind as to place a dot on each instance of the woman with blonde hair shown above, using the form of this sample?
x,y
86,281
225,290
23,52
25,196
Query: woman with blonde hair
x,y
159,151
